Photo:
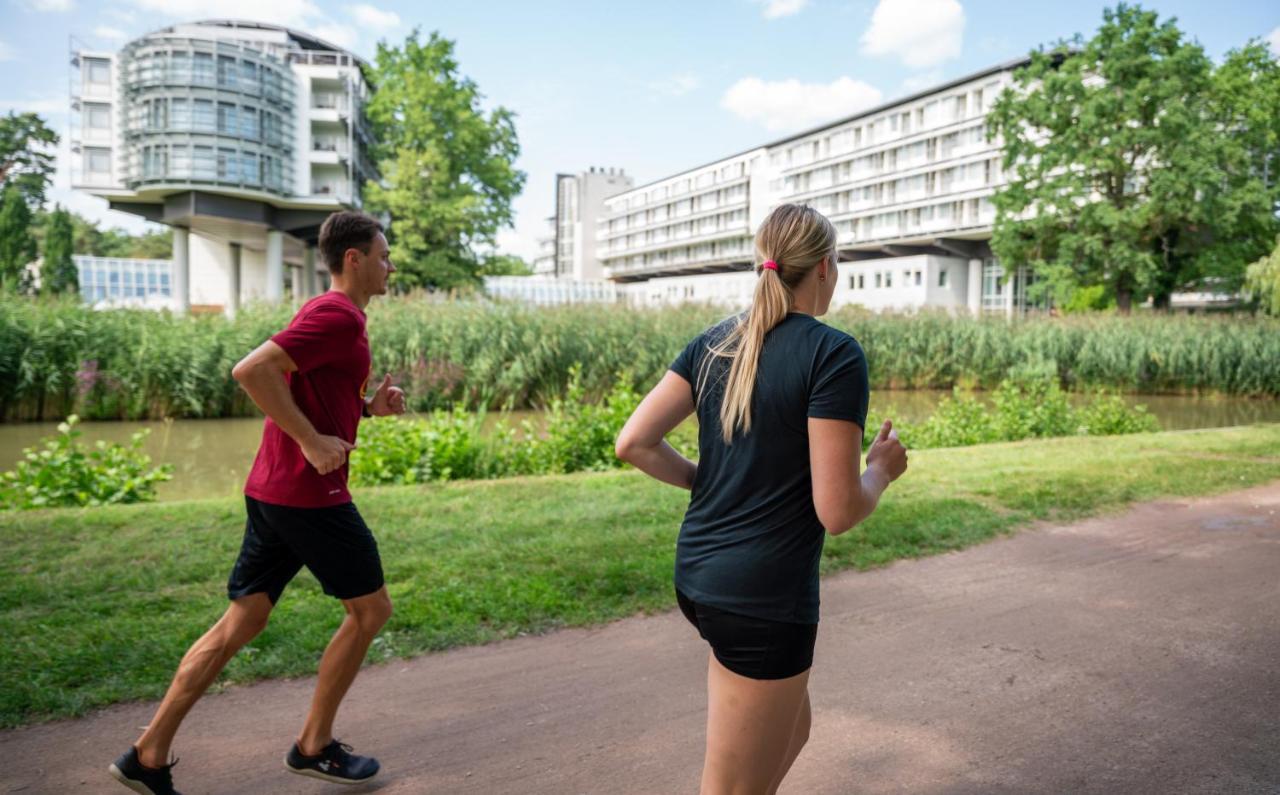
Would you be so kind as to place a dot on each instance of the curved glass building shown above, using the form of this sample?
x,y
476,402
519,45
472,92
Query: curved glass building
x,y
242,136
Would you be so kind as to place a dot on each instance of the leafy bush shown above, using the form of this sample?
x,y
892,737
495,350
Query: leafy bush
x,y
453,445
1109,415
1031,404
959,421
65,473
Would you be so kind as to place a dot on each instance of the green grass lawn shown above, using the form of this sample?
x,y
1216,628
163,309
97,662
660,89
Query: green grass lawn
x,y
98,605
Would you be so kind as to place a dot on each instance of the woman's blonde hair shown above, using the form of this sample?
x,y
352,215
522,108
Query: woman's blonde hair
x,y
795,239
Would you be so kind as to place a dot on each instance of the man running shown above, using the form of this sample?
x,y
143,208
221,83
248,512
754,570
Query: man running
x,y
310,380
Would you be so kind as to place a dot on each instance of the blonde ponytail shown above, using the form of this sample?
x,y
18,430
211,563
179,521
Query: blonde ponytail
x,y
790,243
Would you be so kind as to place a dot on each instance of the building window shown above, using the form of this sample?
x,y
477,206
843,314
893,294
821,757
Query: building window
x,y
879,280
99,71
919,275
942,278
992,285
862,280
97,117
888,279
98,162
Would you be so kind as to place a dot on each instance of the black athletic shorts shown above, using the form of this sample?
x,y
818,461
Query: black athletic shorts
x,y
752,647
334,543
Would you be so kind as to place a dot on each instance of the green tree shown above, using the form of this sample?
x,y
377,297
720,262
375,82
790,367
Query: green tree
x,y
17,243
1262,281
152,245
26,156
504,265
58,272
1120,168
448,174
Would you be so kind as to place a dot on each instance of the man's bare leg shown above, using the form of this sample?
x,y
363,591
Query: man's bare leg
x,y
342,659
244,619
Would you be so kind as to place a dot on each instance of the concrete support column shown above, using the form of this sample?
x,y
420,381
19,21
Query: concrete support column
x,y
309,278
295,283
233,282
181,270
974,296
1010,292
275,266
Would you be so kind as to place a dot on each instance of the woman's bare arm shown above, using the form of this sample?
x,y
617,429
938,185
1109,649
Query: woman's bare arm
x,y
642,442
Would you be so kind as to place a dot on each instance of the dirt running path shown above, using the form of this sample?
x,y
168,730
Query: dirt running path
x,y
1137,653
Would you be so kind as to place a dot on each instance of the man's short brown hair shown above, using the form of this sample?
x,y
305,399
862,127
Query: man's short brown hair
x,y
346,230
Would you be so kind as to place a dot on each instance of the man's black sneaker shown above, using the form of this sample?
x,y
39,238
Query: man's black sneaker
x,y
335,763
145,780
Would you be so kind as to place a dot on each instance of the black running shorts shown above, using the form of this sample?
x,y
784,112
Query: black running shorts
x,y
752,647
334,543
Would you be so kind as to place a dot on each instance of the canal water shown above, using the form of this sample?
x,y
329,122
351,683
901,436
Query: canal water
x,y
212,457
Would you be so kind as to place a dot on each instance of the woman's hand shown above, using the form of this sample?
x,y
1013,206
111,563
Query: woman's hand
x,y
887,453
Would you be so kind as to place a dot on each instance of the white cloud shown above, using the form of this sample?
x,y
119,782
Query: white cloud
x,y
1273,38
6,52
293,13
341,35
773,9
919,32
56,6
375,19
303,15
676,85
790,104
114,34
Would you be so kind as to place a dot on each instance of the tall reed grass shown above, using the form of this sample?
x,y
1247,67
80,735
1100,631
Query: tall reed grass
x,y
59,358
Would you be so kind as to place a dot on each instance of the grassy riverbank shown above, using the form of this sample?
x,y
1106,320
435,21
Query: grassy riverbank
x,y
97,606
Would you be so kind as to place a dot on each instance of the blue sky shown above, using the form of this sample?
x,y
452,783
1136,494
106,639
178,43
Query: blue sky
x,y
652,87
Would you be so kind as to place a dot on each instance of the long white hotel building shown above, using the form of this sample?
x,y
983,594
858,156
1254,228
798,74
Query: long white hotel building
x,y
241,136
907,184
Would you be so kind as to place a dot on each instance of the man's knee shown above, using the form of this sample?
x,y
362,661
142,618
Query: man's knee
x,y
246,618
371,612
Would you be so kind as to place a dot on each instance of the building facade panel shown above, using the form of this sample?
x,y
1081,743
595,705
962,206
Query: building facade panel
x,y
912,179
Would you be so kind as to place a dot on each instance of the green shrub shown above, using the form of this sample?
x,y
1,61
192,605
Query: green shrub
x,y
580,435
959,421
1031,404
1109,415
453,444
65,473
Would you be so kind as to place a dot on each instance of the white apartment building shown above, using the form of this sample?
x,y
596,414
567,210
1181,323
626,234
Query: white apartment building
x,y
241,136
907,184
580,200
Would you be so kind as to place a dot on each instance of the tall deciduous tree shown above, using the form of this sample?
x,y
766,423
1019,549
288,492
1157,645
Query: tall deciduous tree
x,y
448,174
58,272
1262,280
1122,169
26,155
17,243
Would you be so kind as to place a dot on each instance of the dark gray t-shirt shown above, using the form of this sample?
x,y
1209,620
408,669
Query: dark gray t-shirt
x,y
751,540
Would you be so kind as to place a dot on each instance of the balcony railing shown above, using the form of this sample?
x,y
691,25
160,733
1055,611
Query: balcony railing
x,y
329,102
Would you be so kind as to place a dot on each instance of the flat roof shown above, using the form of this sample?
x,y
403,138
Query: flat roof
x,y
1003,67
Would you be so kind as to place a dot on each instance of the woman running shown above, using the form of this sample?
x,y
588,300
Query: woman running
x,y
781,401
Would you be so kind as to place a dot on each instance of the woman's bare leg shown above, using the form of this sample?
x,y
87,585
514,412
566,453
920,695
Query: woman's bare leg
x,y
750,727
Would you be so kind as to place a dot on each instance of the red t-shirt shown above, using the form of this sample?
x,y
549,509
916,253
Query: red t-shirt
x,y
327,340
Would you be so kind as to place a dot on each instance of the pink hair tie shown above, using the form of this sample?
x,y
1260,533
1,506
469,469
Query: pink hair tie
x,y
769,265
